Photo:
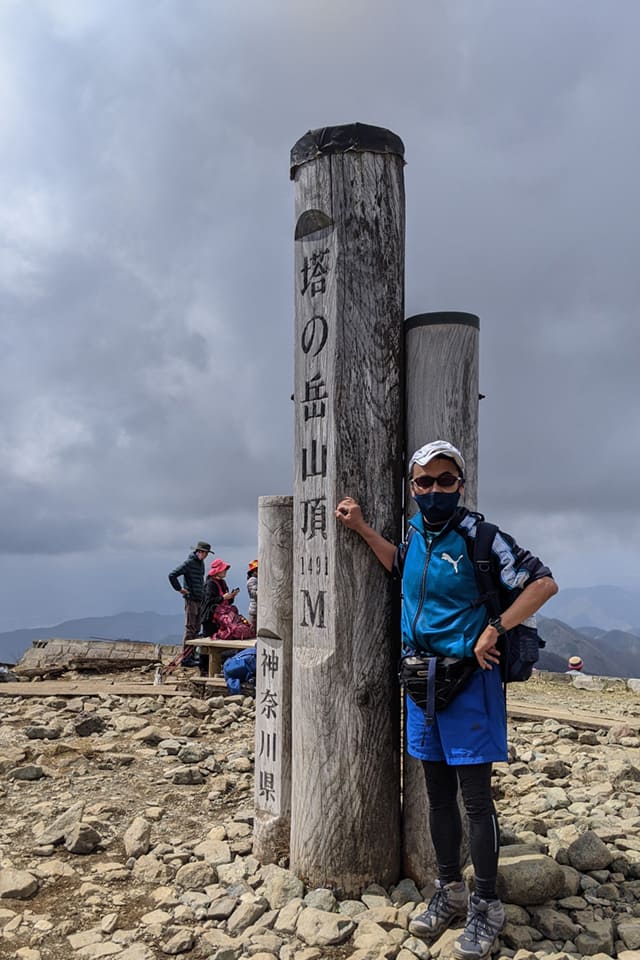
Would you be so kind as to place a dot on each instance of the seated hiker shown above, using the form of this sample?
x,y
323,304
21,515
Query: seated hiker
x,y
216,592
220,617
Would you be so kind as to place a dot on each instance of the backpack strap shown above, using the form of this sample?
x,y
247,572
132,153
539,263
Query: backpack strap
x,y
401,553
489,587
483,568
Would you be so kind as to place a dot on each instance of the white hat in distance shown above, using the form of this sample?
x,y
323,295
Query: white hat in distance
x,y
437,448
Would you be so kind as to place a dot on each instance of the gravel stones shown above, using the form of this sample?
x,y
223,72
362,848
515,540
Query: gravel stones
x,y
629,933
222,909
597,937
554,924
42,733
137,838
218,945
172,874
87,726
322,899
526,876
195,876
31,771
246,913
187,776
216,852
181,941
82,839
151,735
280,886
318,928
17,884
405,892
588,852
57,831
149,869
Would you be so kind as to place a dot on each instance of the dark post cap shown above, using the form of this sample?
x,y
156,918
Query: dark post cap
x,y
442,317
360,137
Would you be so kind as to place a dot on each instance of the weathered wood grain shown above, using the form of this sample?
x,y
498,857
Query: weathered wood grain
x,y
345,748
442,387
272,820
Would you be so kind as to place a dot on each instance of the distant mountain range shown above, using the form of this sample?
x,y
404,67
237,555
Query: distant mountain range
x,y
612,653
595,623
607,608
152,627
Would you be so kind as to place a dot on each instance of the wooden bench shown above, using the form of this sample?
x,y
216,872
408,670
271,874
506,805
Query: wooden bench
x,y
215,647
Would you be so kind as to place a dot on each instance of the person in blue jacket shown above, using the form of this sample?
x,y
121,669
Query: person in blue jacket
x,y
441,616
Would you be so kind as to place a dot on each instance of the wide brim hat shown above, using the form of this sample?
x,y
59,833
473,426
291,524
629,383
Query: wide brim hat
x,y
218,567
576,663
203,545
253,565
437,448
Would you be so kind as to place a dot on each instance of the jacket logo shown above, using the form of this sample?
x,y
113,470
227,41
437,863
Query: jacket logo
x,y
454,563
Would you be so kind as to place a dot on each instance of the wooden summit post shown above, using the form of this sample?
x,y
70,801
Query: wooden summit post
x,y
349,266
272,821
441,404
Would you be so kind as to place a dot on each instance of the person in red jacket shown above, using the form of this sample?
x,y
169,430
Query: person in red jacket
x,y
216,591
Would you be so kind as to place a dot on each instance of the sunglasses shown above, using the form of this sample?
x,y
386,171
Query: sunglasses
x,y
445,480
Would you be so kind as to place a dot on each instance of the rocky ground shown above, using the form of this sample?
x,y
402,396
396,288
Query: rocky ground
x,y
126,831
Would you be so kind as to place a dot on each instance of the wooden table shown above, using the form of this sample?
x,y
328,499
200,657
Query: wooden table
x,y
215,647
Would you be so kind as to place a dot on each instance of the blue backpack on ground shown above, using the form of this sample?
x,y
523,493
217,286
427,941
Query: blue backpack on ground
x,y
239,669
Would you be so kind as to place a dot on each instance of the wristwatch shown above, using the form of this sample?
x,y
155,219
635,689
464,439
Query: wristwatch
x,y
496,623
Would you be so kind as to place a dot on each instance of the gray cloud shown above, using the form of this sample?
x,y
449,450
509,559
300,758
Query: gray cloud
x,y
146,267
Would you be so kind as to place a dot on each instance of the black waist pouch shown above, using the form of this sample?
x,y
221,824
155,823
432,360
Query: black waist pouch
x,y
434,682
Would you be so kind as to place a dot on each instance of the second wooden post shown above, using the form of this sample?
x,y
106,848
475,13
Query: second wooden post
x,y
442,404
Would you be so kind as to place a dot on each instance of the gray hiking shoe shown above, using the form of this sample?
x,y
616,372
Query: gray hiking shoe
x,y
485,920
448,903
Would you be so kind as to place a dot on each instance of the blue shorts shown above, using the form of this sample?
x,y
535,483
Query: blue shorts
x,y
472,729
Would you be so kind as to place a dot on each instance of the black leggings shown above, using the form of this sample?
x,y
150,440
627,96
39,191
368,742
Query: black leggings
x,y
446,825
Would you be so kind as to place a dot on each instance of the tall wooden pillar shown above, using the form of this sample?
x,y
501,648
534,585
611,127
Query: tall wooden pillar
x,y
349,266
441,404
272,821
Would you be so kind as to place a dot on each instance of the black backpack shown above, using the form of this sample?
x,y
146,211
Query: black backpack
x,y
519,647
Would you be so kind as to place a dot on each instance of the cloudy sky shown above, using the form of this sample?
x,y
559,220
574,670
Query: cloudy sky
x,y
146,220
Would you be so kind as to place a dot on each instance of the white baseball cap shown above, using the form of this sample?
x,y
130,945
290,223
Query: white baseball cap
x,y
437,448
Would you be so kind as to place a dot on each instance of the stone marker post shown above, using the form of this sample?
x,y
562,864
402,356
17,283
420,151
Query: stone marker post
x,y
441,404
349,264
272,821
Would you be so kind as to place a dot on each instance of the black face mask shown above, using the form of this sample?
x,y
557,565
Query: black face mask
x,y
437,507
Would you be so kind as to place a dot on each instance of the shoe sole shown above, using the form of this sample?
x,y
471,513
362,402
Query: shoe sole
x,y
463,955
428,933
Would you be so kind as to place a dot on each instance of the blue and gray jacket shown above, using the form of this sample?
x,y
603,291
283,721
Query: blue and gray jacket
x,y
441,612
